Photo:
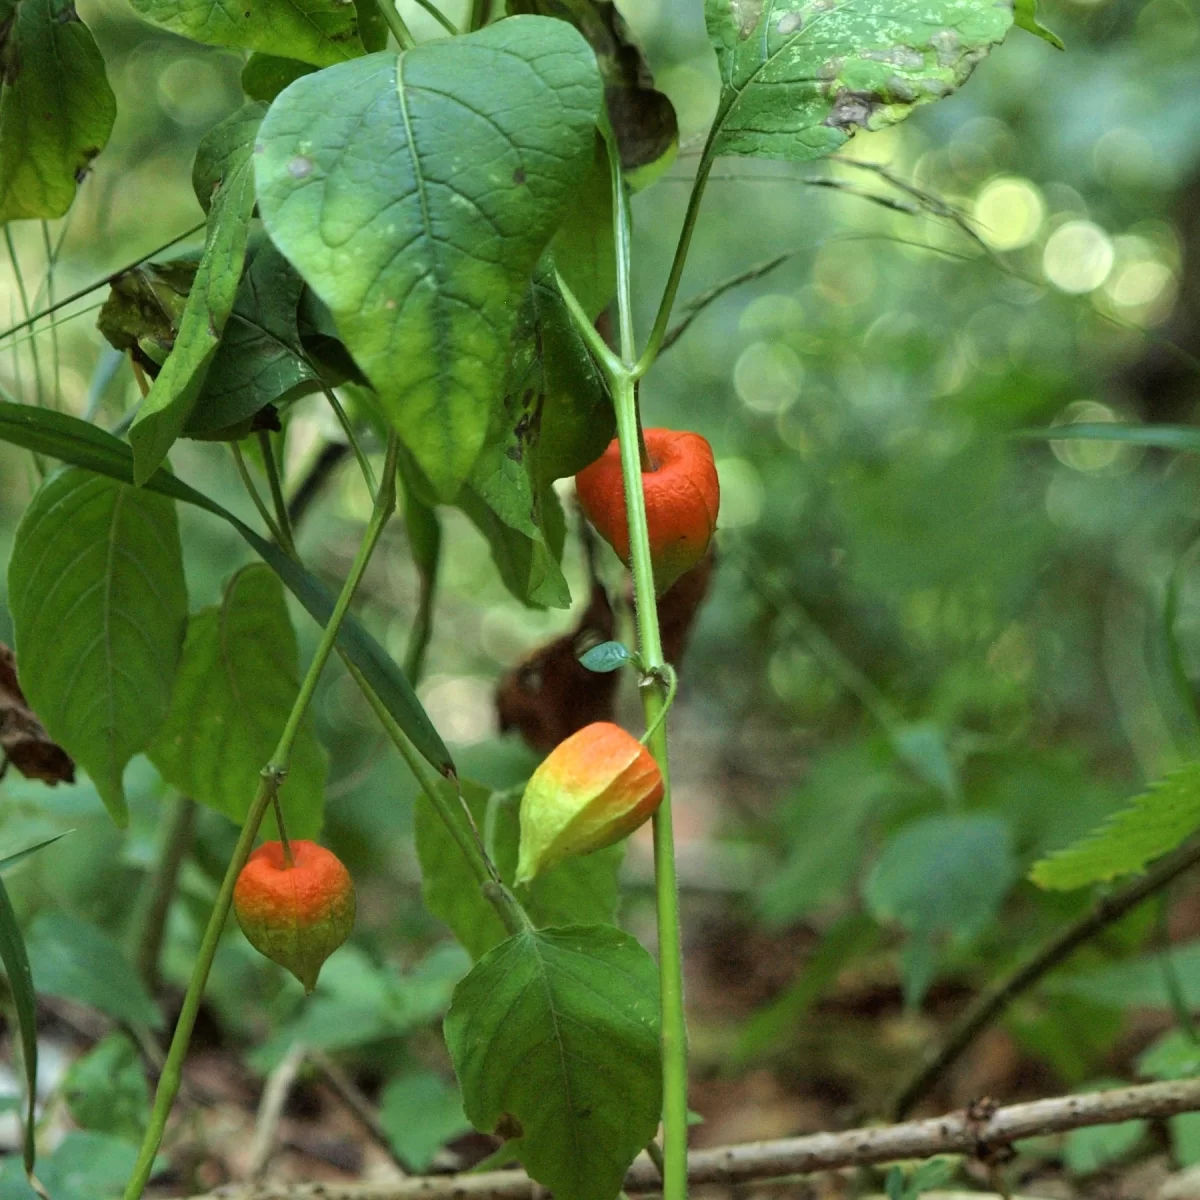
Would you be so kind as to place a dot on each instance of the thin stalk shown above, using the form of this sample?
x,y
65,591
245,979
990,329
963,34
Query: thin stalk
x,y
160,890
51,265
273,775
655,699
439,16
27,311
248,483
395,22
289,860
364,463
479,14
663,317
282,520
511,914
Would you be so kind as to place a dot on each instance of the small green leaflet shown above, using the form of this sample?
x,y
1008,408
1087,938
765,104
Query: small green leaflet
x,y
320,32
608,656
174,393
558,1029
800,77
60,436
1155,822
421,1112
233,692
98,600
56,108
415,193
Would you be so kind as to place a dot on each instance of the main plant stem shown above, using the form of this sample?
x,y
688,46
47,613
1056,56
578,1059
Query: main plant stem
x,y
623,382
273,775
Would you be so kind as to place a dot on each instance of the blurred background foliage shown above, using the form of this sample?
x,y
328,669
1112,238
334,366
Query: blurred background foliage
x,y
933,650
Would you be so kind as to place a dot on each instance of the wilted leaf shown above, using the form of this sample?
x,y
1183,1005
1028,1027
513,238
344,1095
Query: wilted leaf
x,y
24,741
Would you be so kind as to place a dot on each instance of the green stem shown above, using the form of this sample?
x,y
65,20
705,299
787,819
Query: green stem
x,y
248,483
655,700
663,317
439,16
160,890
395,22
479,14
26,311
511,914
282,520
273,775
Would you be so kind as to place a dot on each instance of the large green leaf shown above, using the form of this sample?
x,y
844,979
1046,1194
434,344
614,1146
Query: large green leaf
x,y
421,1112
941,877
174,392
98,600
1154,823
320,32
260,360
558,1030
799,77
80,962
234,690
577,892
56,108
414,193
77,442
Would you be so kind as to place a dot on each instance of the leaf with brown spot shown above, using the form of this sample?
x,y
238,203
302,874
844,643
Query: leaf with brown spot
x,y
24,741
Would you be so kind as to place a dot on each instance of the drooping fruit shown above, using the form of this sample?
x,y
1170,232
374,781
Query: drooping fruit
x,y
592,790
682,500
297,915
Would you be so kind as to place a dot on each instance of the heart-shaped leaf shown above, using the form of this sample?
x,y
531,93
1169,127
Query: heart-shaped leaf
x,y
415,192
799,77
558,1030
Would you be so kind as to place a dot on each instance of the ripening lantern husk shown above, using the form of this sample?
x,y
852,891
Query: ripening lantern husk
x,y
296,916
592,790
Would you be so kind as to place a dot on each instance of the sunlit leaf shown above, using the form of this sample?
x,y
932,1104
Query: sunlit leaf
x,y
1154,823
414,193
799,77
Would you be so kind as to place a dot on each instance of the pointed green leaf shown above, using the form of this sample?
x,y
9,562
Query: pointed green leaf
x,y
106,1090
320,32
421,1112
800,77
56,108
61,436
1025,17
579,891
234,690
15,960
608,656
414,193
558,1030
266,75
98,600
1154,823
174,392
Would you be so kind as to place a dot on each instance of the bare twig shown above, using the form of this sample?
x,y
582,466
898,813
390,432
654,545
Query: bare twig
x,y
972,1133
352,1096
991,1003
270,1110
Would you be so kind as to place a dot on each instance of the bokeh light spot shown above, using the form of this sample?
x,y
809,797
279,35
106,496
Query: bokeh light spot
x,y
767,377
1009,212
1078,257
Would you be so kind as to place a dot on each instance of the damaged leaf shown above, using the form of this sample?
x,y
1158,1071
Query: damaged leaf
x,y
24,741
800,77
641,116
56,108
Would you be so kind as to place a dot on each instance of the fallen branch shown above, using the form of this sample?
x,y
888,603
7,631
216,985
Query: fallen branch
x,y
992,1003
983,1132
